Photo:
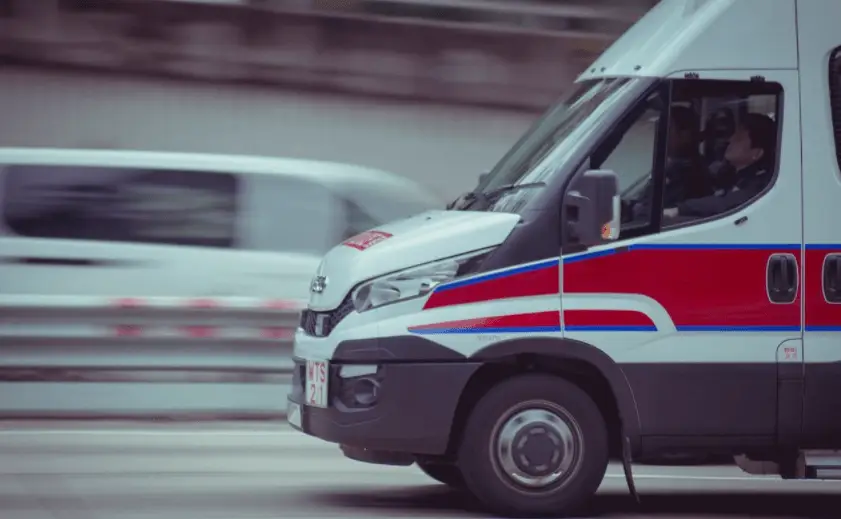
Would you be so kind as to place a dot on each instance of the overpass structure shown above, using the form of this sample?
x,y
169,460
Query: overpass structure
x,y
513,53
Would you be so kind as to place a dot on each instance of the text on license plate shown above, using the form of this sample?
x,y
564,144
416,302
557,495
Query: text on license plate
x,y
317,380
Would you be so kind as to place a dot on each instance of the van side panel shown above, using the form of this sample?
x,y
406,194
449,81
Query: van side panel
x,y
819,43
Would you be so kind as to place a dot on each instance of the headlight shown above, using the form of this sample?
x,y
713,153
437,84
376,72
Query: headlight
x,y
409,283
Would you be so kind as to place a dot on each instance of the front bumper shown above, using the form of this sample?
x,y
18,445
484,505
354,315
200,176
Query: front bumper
x,y
413,412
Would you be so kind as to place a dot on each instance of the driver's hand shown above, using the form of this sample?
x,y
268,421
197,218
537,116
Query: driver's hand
x,y
671,212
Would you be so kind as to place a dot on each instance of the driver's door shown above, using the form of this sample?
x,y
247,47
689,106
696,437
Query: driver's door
x,y
684,308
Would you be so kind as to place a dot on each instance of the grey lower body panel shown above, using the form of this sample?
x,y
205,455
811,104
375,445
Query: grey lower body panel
x,y
414,412
727,407
822,405
694,406
705,399
737,406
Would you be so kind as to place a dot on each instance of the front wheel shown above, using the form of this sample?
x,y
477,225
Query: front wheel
x,y
448,474
534,445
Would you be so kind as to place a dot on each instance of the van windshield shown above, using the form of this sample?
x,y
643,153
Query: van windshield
x,y
524,170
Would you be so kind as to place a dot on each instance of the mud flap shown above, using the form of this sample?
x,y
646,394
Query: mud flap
x,y
626,465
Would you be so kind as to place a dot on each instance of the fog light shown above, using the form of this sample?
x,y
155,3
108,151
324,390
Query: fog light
x,y
366,391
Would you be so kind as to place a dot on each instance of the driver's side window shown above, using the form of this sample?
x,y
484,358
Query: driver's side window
x,y
631,151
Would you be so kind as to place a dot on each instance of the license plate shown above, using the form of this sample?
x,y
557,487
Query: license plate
x,y
317,383
293,414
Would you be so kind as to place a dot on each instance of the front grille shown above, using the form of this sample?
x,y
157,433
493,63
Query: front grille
x,y
309,318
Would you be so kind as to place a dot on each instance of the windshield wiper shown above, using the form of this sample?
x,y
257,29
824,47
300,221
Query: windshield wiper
x,y
468,199
509,188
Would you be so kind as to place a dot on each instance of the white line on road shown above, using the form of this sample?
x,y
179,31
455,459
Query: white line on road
x,y
694,478
282,430
287,437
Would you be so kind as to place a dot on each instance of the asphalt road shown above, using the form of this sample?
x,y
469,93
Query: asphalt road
x,y
236,471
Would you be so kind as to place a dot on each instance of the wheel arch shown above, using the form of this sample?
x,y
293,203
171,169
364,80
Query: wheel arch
x,y
579,362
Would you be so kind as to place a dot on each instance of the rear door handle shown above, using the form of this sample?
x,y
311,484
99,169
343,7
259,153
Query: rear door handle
x,y
782,278
832,278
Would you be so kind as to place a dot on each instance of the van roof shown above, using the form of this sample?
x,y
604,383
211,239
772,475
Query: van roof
x,y
680,36
323,172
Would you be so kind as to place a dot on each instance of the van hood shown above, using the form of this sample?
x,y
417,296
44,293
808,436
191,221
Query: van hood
x,y
405,243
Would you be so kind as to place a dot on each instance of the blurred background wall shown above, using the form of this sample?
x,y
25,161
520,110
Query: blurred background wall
x,y
436,90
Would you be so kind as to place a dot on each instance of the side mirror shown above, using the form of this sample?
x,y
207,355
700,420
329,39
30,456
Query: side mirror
x,y
483,176
593,209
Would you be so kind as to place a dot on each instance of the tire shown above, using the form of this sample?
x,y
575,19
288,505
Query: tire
x,y
546,403
448,474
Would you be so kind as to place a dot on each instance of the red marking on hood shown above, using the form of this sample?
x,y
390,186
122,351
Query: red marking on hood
x,y
367,239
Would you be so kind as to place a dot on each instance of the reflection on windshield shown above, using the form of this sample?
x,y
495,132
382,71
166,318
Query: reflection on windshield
x,y
545,145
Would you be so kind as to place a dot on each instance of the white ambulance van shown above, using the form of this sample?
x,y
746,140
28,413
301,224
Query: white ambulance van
x,y
654,267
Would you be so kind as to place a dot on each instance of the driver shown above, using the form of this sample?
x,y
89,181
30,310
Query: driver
x,y
747,172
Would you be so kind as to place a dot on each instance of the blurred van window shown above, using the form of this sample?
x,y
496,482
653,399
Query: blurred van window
x,y
135,205
282,213
357,220
384,203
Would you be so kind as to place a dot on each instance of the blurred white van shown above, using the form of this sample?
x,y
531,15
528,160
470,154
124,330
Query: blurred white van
x,y
129,223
